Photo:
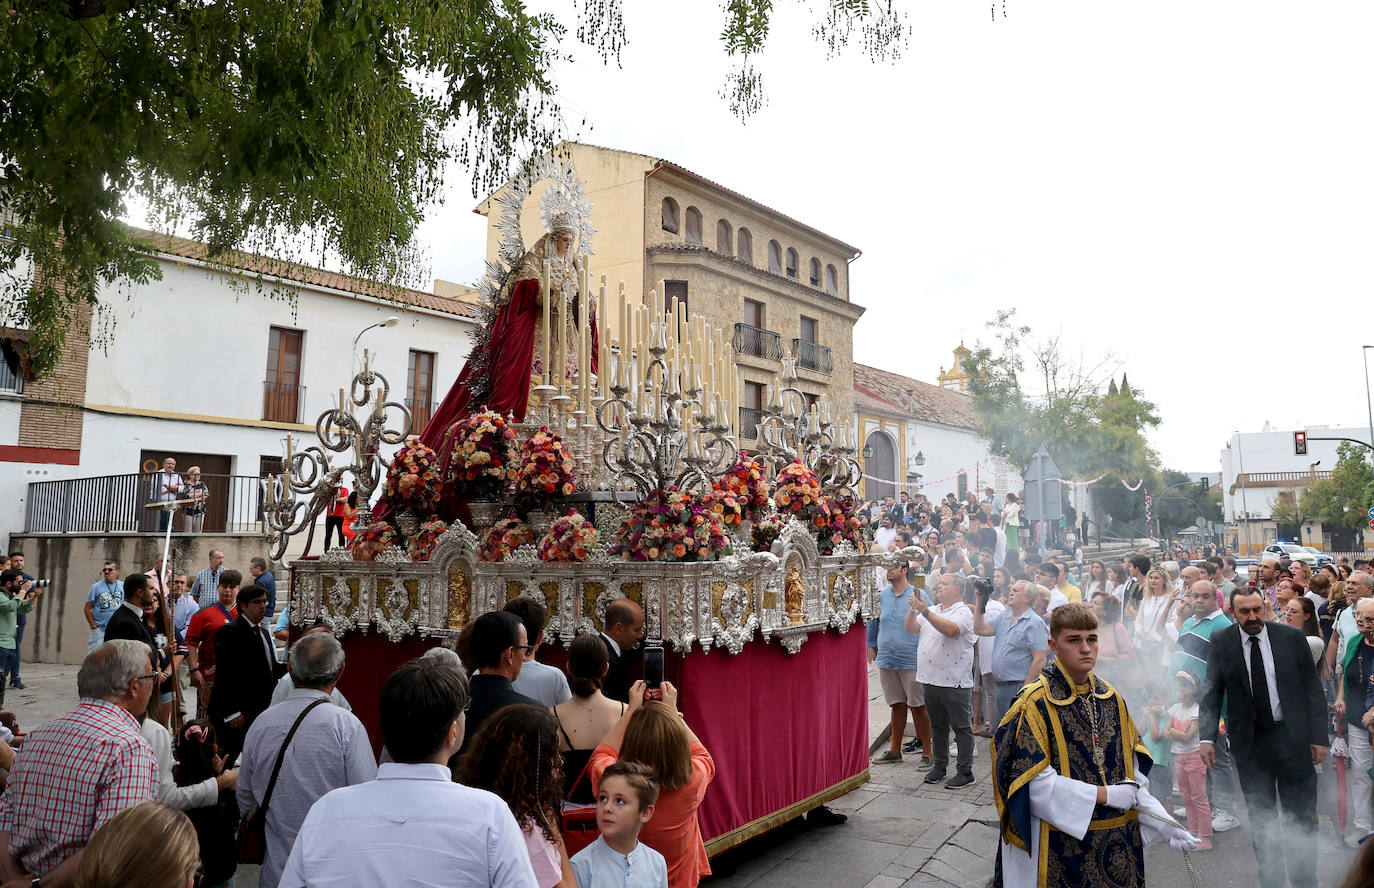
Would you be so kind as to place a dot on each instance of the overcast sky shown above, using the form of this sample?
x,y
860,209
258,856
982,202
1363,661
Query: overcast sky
x,y
1186,184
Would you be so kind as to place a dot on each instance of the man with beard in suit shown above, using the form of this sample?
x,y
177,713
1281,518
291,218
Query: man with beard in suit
x,y
1276,723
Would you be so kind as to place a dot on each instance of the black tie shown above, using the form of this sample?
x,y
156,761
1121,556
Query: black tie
x,y
1259,686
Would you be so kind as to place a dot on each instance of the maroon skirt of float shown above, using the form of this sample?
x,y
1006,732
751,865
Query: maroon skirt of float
x,y
788,732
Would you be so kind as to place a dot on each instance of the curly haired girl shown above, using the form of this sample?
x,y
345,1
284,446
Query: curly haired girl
x,y
515,755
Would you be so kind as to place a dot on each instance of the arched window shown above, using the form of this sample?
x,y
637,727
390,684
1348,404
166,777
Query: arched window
x,y
670,215
693,234
724,238
791,262
815,272
832,283
744,250
774,257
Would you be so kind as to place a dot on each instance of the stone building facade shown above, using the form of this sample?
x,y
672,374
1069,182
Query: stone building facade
x,y
780,285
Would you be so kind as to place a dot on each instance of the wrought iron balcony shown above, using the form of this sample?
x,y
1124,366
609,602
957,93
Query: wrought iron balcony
x,y
749,419
811,356
757,342
282,401
420,412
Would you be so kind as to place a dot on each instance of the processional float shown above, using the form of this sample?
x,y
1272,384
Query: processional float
x,y
623,483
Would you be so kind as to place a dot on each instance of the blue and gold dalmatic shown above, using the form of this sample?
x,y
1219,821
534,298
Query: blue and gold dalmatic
x,y
1050,724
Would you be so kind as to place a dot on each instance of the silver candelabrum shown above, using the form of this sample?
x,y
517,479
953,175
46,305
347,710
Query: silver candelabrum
x,y
789,431
295,499
671,433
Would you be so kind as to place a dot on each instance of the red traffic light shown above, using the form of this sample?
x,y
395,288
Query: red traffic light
x,y
1300,443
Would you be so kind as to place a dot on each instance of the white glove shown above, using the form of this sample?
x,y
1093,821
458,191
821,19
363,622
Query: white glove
x,y
1182,840
1122,795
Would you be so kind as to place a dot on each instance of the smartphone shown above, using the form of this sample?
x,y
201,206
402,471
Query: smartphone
x,y
653,668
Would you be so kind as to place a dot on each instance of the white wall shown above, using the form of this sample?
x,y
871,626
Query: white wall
x,y
949,450
1271,450
192,345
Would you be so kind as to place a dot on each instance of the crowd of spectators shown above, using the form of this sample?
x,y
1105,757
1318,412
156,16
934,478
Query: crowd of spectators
x,y
1157,620
484,753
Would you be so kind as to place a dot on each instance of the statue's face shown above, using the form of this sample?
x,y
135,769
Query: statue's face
x,y
562,243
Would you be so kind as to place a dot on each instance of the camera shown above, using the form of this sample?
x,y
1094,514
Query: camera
x,y
41,584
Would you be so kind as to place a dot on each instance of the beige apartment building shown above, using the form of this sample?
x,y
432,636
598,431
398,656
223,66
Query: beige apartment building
x,y
780,285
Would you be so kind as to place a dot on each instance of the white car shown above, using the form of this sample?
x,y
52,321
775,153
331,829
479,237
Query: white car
x,y
1292,552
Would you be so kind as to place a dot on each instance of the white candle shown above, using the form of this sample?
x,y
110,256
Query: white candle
x,y
547,310
603,358
562,356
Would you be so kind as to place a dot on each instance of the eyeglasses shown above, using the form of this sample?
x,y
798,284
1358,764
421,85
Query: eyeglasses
x,y
110,569
152,675
527,648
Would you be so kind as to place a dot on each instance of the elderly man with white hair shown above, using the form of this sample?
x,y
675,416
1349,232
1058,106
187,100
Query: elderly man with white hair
x,y
1352,705
328,749
1358,587
80,769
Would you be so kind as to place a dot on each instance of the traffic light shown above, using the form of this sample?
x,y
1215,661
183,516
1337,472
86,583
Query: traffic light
x,y
1300,443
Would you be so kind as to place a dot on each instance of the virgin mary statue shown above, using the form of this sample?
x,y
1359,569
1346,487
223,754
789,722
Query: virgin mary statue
x,y
507,358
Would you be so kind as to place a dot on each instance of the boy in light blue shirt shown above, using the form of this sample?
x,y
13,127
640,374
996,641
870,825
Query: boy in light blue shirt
x,y
893,650
617,859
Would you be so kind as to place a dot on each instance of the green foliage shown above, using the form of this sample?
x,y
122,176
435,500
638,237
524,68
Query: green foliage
x,y
1088,433
1342,500
312,131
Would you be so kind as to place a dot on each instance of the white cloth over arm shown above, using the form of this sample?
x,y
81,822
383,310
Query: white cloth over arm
x,y
1067,805
183,798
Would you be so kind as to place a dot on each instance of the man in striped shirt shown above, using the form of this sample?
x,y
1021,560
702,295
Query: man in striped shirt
x,y
204,588
80,769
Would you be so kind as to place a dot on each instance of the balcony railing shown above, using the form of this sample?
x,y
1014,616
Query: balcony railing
x,y
757,342
117,504
811,356
282,401
749,419
420,412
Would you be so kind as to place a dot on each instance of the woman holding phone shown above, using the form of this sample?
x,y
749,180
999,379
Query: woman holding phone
x,y
652,732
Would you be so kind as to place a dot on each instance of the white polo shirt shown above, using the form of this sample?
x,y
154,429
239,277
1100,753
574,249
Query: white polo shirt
x,y
943,661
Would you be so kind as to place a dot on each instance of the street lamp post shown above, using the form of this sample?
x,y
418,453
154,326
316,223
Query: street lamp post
x,y
1364,353
389,322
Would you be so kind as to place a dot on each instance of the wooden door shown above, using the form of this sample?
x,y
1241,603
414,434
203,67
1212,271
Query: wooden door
x,y
281,387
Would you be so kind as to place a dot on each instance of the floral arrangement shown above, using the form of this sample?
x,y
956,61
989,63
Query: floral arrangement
x,y
672,525
412,479
503,538
842,525
766,531
570,539
483,455
726,505
421,545
798,493
748,482
372,540
543,474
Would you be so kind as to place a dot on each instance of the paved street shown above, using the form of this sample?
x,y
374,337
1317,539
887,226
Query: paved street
x,y
900,834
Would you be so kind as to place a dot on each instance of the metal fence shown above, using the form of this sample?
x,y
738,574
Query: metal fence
x,y
118,504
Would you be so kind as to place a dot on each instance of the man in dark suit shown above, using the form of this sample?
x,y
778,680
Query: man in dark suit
x,y
1137,566
246,672
496,645
127,622
1276,722
624,622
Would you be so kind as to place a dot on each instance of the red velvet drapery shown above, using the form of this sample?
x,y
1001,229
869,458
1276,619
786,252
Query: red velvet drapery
x,y
781,727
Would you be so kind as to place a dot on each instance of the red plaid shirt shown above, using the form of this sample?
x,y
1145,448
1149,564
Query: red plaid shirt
x,y
73,774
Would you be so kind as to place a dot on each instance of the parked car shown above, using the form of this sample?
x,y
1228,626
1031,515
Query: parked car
x,y
1322,557
1291,551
